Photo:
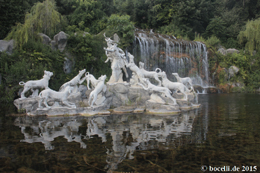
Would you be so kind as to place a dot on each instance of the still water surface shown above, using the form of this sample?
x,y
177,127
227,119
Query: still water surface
x,y
225,131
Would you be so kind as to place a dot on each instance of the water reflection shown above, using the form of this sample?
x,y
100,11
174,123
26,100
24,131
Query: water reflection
x,y
128,132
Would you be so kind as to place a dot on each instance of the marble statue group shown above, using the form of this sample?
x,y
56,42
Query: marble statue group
x,y
158,88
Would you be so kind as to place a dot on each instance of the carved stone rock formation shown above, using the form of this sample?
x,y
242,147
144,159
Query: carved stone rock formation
x,y
60,40
45,38
7,46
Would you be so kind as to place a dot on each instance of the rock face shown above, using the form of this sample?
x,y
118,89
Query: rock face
x,y
82,89
7,46
125,95
28,104
122,94
60,40
237,87
227,51
68,65
232,50
45,39
222,51
238,84
232,71
116,38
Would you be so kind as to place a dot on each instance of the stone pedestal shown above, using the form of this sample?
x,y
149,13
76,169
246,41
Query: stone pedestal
x,y
119,98
26,104
157,108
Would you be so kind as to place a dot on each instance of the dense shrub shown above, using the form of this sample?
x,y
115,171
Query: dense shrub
x,y
29,63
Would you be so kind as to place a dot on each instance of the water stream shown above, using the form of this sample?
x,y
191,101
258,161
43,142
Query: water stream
x,y
187,58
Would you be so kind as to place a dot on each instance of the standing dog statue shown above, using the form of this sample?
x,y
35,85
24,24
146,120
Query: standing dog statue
x,y
91,79
36,84
73,82
151,74
99,87
186,80
177,86
134,68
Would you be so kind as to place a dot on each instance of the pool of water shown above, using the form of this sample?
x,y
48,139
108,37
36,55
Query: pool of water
x,y
223,134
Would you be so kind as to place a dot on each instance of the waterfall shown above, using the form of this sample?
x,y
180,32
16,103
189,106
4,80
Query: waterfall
x,y
187,58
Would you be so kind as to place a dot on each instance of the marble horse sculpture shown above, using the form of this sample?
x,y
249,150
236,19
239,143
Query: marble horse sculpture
x,y
99,87
73,82
160,89
117,56
36,84
55,95
186,80
177,86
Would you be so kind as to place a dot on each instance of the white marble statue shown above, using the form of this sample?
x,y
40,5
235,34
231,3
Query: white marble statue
x,y
186,80
55,95
160,89
151,74
133,67
99,87
73,82
91,79
177,86
118,61
36,84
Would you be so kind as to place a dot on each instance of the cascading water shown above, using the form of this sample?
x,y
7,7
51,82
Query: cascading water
x,y
187,58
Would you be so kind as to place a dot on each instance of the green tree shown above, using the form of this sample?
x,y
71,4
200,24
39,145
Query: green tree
x,y
11,11
123,27
216,27
66,7
90,12
251,35
194,16
43,17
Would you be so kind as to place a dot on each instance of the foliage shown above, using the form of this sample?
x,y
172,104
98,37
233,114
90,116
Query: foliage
x,y
15,11
193,16
172,29
123,27
90,14
87,53
251,35
213,42
29,64
43,17
211,22
12,12
216,27
199,38
66,7
248,74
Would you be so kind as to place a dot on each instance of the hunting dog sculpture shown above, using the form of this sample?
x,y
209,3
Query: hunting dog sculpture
x,y
36,84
